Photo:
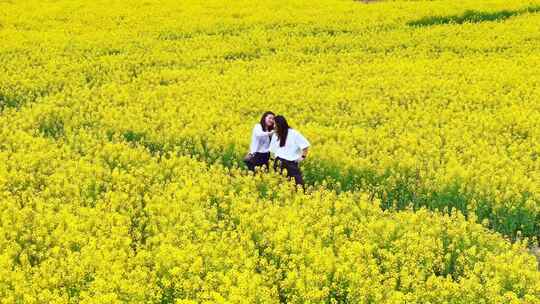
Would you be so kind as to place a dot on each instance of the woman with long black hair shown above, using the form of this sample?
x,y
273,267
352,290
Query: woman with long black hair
x,y
259,149
290,148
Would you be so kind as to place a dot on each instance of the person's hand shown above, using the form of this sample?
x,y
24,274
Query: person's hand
x,y
300,159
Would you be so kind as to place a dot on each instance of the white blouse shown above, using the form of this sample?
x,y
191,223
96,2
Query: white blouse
x,y
292,150
260,140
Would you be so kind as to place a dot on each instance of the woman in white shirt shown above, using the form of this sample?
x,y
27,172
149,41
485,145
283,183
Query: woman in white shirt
x,y
259,149
289,148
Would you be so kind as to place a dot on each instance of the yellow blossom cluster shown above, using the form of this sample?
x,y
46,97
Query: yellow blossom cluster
x,y
422,103
119,225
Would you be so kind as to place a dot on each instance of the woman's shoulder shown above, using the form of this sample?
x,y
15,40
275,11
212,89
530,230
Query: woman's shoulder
x,y
296,133
257,126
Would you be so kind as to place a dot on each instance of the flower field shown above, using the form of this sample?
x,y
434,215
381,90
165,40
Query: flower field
x,y
123,126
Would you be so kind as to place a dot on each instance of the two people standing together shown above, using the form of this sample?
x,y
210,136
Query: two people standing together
x,y
273,135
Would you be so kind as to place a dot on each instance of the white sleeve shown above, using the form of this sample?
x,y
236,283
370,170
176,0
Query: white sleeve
x,y
301,141
253,145
258,131
273,144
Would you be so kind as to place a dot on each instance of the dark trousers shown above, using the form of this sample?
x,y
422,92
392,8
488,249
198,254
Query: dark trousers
x,y
258,159
293,170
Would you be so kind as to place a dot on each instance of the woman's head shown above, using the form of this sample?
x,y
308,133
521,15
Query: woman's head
x,y
267,121
282,129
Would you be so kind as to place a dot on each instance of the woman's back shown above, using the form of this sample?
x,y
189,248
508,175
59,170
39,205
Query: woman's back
x,y
292,148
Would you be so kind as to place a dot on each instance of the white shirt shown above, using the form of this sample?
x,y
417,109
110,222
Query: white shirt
x,y
260,140
292,150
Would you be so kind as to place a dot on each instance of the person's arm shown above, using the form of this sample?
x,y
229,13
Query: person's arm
x,y
304,153
259,132
303,144
253,145
273,145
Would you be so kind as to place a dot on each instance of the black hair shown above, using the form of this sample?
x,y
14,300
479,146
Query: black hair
x,y
263,123
282,129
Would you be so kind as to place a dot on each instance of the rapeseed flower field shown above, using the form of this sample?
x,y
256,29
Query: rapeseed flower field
x,y
124,124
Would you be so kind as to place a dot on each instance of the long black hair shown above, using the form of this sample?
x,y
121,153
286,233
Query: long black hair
x,y
282,129
263,122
